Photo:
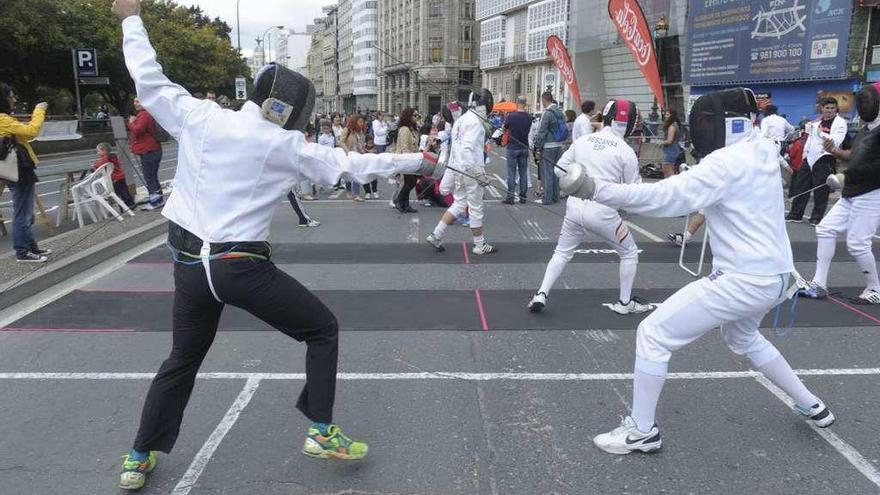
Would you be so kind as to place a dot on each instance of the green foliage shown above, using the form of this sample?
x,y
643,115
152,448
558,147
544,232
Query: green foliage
x,y
194,50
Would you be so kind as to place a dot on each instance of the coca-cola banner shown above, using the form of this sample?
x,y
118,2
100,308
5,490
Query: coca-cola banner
x,y
630,21
559,55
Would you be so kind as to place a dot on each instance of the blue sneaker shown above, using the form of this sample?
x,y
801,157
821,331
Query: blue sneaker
x,y
814,291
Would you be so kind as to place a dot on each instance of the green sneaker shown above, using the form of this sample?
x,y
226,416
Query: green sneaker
x,y
334,444
134,473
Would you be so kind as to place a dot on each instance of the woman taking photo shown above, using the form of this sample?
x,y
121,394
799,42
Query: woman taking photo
x,y
671,149
23,190
407,142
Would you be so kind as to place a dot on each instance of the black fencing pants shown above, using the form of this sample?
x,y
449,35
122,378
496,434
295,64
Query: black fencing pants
x,y
807,178
269,294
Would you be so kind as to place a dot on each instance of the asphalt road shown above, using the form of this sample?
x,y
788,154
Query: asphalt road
x,y
457,388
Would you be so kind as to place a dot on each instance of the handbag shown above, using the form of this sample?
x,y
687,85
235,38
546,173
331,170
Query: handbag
x,y
9,163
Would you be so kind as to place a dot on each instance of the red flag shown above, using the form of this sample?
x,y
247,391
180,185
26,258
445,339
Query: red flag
x,y
630,21
559,54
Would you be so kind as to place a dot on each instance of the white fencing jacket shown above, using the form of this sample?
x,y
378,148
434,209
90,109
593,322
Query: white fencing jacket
x,y
738,187
234,167
605,156
467,151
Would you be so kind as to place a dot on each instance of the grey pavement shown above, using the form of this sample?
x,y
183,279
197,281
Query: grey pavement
x,y
517,417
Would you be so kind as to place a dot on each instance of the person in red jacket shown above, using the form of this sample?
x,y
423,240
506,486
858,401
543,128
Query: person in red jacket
x,y
120,186
144,144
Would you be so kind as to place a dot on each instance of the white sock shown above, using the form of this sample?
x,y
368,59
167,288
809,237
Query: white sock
x,y
686,235
780,373
479,240
824,253
647,385
440,229
869,267
628,269
551,274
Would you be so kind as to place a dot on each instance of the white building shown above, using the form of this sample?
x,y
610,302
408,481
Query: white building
x,y
364,36
513,49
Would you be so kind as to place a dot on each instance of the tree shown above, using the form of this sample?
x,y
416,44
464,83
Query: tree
x,y
194,50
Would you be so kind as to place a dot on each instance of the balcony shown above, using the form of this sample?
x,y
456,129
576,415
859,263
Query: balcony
x,y
513,59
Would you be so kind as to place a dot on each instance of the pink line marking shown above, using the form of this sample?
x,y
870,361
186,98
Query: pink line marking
x,y
854,310
467,260
480,310
69,330
126,291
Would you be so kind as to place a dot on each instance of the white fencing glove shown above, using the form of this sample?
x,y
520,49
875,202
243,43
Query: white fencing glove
x,y
835,182
575,182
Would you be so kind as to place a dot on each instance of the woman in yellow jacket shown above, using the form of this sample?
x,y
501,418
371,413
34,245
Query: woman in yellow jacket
x,y
26,249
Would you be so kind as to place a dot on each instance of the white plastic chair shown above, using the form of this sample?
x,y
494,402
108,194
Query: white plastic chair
x,y
96,188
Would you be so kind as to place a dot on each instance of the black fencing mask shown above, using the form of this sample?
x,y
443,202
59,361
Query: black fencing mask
x,y
722,118
287,98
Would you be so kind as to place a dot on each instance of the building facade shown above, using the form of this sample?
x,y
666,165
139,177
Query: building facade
x,y
428,53
364,39
345,53
513,53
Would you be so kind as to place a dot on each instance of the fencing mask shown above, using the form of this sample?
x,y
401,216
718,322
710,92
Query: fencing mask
x,y
452,111
481,98
620,116
721,118
286,97
868,104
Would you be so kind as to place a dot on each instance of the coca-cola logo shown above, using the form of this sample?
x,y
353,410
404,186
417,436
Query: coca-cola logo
x,y
559,57
628,24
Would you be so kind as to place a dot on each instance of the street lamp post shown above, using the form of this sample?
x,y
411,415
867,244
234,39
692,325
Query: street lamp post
x,y
263,37
238,23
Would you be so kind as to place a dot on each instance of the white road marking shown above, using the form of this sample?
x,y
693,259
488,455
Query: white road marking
x,y
437,375
191,476
858,461
414,230
644,232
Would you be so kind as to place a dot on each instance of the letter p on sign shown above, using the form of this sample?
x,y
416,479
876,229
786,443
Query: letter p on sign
x,y
86,62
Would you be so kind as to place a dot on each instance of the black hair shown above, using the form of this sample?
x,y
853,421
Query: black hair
x,y
5,91
570,116
426,128
547,96
588,106
770,110
828,100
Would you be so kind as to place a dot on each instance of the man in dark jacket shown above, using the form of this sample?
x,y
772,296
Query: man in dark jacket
x,y
518,124
548,147
144,144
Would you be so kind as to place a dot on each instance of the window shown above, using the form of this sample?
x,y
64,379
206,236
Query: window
x,y
436,55
436,8
466,54
467,33
466,77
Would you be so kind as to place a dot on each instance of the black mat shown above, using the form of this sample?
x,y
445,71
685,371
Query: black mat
x,y
414,310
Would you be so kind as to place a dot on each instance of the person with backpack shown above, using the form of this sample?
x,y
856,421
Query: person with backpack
x,y
552,134
144,144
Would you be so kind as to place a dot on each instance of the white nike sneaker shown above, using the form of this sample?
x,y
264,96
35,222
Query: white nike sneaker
x,y
486,248
538,302
867,297
627,438
634,306
819,414
311,223
436,242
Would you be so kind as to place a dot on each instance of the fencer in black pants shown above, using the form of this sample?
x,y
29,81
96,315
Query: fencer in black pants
x,y
248,280
805,179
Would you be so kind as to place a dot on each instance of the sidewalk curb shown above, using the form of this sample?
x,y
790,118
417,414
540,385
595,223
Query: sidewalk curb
x,y
78,263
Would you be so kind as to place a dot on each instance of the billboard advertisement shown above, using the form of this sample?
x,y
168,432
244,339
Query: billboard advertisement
x,y
766,40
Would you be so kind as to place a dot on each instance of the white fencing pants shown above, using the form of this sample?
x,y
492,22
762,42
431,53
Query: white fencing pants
x,y
859,217
467,195
733,301
581,218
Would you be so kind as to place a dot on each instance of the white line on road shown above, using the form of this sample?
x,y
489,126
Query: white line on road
x,y
846,450
414,230
644,232
437,375
204,455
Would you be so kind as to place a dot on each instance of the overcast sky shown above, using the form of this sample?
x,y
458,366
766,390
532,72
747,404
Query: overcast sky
x,y
257,15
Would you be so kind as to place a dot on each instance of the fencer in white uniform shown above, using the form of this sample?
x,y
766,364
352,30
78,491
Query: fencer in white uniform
x,y
737,186
467,154
605,156
858,212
